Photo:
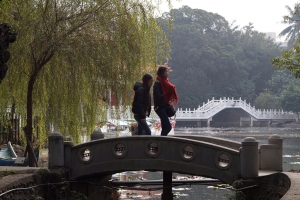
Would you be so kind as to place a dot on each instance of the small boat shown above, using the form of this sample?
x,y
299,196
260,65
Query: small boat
x,y
8,157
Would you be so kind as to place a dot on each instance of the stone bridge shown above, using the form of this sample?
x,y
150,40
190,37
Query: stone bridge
x,y
206,112
187,154
212,107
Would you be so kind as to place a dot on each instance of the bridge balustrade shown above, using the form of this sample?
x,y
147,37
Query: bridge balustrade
x,y
210,157
155,153
210,109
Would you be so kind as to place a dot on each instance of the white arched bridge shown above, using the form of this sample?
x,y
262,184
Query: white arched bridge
x,y
208,110
210,157
212,107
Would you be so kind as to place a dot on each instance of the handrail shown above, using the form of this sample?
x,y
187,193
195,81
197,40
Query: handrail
x,y
211,108
214,106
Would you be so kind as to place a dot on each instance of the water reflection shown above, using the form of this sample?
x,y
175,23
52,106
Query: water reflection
x,y
179,192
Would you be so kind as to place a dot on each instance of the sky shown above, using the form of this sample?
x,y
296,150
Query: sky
x,y
266,15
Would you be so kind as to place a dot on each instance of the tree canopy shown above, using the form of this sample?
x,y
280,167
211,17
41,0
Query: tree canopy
x,y
289,60
70,54
212,58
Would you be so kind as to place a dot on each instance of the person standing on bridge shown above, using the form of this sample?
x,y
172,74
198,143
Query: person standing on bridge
x,y
141,106
164,92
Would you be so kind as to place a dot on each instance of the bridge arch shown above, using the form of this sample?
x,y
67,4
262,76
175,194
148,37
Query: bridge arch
x,y
155,153
212,157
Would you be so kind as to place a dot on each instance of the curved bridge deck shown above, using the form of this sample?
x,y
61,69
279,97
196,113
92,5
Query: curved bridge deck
x,y
210,157
155,153
212,107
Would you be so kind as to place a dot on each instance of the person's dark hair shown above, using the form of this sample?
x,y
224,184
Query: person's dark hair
x,y
161,70
146,78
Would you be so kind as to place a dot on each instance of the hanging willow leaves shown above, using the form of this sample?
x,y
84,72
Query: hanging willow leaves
x,y
70,54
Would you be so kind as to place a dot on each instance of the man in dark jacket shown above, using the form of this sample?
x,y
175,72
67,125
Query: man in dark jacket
x,y
141,106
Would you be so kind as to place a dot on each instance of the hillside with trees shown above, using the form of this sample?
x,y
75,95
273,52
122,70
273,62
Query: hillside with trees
x,y
212,58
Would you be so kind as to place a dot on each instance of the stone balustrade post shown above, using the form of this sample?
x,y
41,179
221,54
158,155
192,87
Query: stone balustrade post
x,y
56,150
249,158
271,154
67,154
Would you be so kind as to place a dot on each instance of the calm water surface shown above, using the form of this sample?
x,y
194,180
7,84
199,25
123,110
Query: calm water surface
x,y
291,160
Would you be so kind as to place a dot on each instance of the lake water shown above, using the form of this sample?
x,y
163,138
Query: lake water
x,y
291,160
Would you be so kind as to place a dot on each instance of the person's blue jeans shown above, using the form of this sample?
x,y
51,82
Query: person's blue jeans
x,y
142,126
164,121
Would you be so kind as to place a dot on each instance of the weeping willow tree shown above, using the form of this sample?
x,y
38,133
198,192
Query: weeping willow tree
x,y
69,53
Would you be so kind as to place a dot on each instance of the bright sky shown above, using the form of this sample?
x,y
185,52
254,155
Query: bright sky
x,y
266,15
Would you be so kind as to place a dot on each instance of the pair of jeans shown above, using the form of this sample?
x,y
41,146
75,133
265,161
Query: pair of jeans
x,y
142,126
164,121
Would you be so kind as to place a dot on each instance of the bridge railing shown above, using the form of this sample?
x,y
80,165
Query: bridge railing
x,y
212,107
208,105
208,110
195,155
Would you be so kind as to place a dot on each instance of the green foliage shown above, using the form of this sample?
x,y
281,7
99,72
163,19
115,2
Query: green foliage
x,y
70,56
290,59
287,86
267,101
254,58
212,58
290,98
280,79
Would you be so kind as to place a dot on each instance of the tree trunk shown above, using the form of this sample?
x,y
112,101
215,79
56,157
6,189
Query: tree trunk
x,y
28,129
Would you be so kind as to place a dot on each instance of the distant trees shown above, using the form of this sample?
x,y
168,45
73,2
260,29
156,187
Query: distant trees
x,y
289,61
286,83
212,58
267,101
290,98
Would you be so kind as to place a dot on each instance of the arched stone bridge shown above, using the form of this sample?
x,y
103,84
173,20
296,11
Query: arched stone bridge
x,y
195,155
214,106
206,112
